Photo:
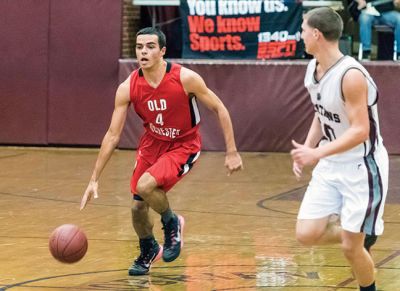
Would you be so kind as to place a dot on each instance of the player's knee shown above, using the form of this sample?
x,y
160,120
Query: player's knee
x,y
142,189
138,208
306,237
145,185
350,250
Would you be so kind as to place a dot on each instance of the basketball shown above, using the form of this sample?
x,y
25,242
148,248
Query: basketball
x,y
68,243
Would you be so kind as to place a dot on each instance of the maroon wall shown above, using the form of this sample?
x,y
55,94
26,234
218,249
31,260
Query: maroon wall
x,y
58,70
84,49
23,71
59,73
269,105
386,75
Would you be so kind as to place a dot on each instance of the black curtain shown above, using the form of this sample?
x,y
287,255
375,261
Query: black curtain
x,y
168,19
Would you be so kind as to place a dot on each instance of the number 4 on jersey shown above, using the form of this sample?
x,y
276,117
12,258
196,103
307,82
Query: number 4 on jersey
x,y
159,119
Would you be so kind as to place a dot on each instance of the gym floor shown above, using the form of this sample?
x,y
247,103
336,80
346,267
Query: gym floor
x,y
239,232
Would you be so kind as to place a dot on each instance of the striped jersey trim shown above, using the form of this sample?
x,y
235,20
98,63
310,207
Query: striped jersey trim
x,y
375,195
189,164
371,143
372,131
194,110
167,70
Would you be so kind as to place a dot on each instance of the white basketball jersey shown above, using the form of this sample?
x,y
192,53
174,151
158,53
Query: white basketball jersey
x,y
329,104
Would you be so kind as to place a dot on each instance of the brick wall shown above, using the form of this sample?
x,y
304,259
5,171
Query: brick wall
x,y
130,25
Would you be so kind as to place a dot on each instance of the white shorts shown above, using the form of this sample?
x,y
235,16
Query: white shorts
x,y
355,190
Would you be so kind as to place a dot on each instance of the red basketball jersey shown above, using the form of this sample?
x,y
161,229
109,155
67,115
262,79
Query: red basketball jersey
x,y
168,113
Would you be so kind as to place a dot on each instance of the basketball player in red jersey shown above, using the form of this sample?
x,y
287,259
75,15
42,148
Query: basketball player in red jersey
x,y
164,96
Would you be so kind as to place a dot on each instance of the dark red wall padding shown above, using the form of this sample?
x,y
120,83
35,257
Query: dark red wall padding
x,y
269,105
85,39
23,71
58,70
59,74
387,77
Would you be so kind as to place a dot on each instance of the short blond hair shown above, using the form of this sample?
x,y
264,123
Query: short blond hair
x,y
327,21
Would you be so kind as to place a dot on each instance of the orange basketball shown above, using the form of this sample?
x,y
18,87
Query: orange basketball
x,y
68,243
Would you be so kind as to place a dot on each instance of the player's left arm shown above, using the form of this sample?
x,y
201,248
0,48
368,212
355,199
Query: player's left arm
x,y
194,83
355,91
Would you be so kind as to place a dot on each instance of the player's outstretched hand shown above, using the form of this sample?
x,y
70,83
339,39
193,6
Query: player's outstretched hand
x,y
233,162
91,190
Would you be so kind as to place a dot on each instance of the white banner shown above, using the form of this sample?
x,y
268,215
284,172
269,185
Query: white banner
x,y
157,2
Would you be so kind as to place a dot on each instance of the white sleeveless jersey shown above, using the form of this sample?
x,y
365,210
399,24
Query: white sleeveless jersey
x,y
327,98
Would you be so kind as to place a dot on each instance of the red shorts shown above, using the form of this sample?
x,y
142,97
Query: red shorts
x,y
166,161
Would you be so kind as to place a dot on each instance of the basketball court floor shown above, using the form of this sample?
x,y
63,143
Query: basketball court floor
x,y
239,232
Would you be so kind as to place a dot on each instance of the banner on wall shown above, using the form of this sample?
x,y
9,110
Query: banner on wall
x,y
157,2
241,29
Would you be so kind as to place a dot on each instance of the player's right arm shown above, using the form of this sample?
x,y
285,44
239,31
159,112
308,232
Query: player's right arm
x,y
313,137
110,140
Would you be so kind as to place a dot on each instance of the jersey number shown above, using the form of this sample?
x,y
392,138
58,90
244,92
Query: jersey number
x,y
329,132
159,119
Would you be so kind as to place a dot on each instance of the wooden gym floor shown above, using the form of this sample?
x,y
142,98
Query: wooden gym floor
x,y
239,232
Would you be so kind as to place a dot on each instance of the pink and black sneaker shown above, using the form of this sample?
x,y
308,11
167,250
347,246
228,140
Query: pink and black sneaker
x,y
173,238
150,252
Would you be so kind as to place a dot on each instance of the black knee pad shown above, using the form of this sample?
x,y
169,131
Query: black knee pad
x,y
137,197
